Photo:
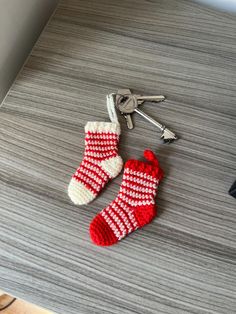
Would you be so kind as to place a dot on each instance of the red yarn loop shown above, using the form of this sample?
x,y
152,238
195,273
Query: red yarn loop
x,y
150,156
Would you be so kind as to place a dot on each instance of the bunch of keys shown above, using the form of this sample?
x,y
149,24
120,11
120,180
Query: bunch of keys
x,y
127,103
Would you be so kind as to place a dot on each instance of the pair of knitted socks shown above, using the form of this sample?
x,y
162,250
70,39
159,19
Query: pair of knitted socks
x,y
134,205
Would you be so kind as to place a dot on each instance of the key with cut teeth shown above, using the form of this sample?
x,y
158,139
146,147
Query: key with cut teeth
x,y
125,103
128,103
167,135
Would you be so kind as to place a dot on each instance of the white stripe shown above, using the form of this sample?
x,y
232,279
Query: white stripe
x,y
95,169
122,214
102,127
111,224
140,181
102,148
102,154
85,178
92,160
141,174
90,175
120,224
129,213
136,203
128,185
138,194
101,136
97,143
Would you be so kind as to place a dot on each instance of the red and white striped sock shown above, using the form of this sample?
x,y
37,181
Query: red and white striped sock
x,y
134,205
101,162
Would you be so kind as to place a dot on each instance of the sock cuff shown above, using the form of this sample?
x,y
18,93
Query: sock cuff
x,y
151,167
107,127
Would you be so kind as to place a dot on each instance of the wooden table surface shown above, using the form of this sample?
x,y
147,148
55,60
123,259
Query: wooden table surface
x,y
185,260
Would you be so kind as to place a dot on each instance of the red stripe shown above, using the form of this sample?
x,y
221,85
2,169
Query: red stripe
x,y
109,215
139,178
98,147
141,197
94,165
128,205
136,198
99,151
102,133
131,189
141,185
153,178
87,185
88,175
94,172
116,213
77,176
133,176
102,143
100,158
127,216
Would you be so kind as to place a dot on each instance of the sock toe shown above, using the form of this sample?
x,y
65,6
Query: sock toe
x,y
78,193
100,232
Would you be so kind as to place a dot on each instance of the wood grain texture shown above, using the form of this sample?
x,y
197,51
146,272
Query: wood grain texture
x,y
183,262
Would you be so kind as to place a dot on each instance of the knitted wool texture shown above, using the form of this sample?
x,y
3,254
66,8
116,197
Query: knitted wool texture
x,y
134,205
101,162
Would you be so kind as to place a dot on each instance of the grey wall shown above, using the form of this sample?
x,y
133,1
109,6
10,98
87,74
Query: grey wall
x,y
21,22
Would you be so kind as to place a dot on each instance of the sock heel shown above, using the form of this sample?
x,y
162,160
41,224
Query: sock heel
x,y
144,214
112,166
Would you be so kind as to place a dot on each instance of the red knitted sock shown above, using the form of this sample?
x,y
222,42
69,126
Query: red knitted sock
x,y
134,205
101,162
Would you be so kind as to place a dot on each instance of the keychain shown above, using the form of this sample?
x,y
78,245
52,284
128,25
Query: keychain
x,y
127,103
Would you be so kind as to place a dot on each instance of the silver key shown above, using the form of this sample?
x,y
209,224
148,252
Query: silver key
x,y
125,100
129,121
125,106
142,99
167,135
127,103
